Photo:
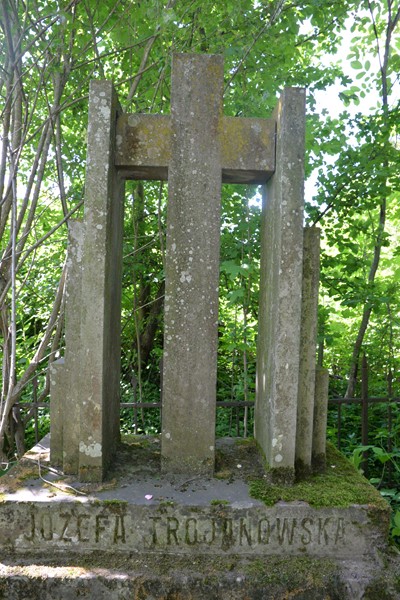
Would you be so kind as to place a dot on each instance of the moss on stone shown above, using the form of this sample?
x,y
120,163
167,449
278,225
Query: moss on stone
x,y
114,503
340,486
293,573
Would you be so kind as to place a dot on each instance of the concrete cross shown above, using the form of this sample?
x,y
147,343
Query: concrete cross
x,y
196,149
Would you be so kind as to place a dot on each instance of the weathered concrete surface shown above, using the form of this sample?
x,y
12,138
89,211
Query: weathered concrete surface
x,y
279,317
57,389
144,146
73,348
99,373
308,346
201,579
192,266
247,150
179,582
65,390
320,419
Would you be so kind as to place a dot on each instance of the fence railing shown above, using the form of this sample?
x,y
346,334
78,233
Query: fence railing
x,y
365,401
241,422
31,410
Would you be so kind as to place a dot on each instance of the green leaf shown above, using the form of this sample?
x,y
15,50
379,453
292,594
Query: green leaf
x,y
356,64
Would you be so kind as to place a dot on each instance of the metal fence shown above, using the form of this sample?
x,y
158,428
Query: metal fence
x,y
239,420
241,416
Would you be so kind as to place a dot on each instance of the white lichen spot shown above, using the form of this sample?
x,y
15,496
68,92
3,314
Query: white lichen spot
x,y
185,277
168,435
278,458
274,442
173,247
99,226
94,450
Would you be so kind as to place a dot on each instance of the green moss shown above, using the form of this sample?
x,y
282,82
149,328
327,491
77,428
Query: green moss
x,y
293,572
246,442
281,476
219,502
131,439
167,503
114,503
340,486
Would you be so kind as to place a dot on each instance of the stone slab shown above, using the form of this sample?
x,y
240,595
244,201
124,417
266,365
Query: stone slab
x,y
281,265
143,148
308,345
99,374
192,266
141,510
34,528
230,578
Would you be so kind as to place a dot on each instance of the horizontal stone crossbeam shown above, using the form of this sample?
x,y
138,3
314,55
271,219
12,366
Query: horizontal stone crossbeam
x,y
143,148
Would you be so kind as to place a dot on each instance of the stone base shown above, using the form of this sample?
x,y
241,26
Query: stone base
x,y
143,534
201,578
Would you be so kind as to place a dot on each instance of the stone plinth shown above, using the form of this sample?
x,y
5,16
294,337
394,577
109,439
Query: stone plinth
x,y
140,510
144,534
123,527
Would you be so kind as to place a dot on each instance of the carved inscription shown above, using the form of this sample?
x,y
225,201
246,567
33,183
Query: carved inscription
x,y
117,529
68,528
244,532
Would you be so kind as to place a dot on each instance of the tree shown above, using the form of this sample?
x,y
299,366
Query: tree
x,y
356,190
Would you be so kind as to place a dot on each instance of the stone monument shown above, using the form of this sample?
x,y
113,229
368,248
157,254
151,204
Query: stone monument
x,y
196,149
177,531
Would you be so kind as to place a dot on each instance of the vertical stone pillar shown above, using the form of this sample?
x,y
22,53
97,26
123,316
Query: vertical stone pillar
x,y
73,348
320,419
57,399
99,373
192,265
280,291
308,345
65,372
